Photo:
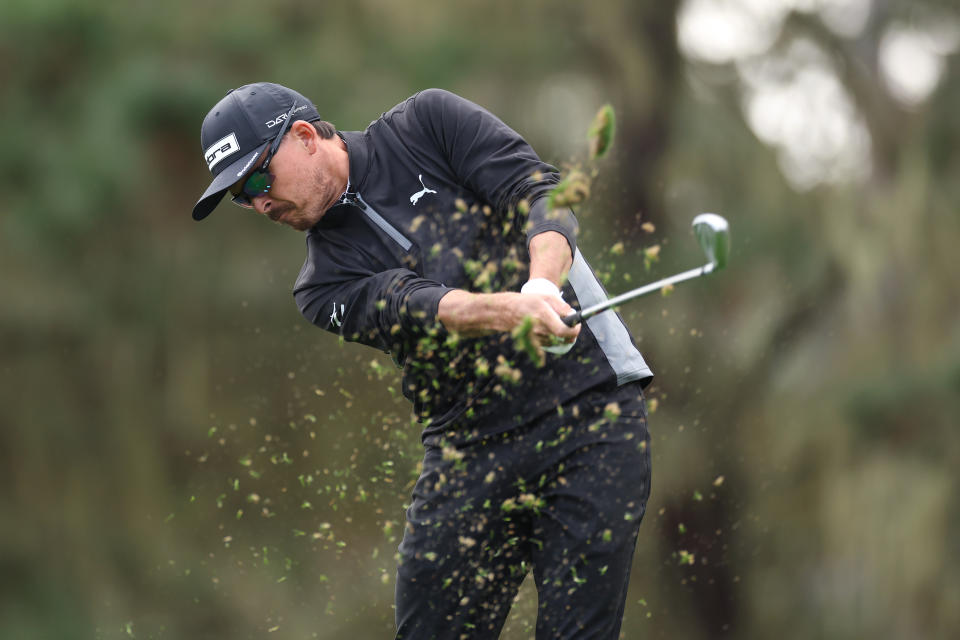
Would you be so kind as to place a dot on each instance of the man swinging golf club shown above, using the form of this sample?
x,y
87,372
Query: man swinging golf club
x,y
429,237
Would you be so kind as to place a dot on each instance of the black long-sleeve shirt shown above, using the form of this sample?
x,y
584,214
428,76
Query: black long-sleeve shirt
x,y
444,195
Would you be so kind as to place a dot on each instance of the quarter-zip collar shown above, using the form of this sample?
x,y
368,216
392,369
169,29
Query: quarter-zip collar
x,y
360,157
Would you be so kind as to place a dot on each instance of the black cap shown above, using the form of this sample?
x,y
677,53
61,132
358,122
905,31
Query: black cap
x,y
239,128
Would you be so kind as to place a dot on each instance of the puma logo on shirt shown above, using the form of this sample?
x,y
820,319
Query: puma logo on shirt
x,y
419,194
336,318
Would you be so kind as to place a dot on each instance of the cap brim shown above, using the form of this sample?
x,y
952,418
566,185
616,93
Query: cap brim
x,y
223,180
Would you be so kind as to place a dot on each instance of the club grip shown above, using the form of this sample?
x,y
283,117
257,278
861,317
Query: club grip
x,y
573,319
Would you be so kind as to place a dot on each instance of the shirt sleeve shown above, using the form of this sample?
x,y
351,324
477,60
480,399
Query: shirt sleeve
x,y
494,161
389,310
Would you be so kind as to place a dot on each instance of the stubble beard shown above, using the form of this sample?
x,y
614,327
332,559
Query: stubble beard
x,y
328,194
305,218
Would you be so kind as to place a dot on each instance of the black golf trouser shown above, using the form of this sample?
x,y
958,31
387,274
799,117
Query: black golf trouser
x,y
563,495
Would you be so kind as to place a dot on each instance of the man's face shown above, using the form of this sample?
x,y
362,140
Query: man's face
x,y
309,175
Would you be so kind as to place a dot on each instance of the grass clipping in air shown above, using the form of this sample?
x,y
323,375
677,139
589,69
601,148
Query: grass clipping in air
x,y
600,133
523,341
574,188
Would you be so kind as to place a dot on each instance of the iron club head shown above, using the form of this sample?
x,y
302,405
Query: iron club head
x,y
713,234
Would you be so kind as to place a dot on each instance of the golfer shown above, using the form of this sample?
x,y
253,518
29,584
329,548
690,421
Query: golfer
x,y
431,236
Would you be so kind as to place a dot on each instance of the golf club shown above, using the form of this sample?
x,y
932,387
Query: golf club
x,y
713,234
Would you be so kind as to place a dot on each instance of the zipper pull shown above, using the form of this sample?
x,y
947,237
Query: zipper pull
x,y
349,198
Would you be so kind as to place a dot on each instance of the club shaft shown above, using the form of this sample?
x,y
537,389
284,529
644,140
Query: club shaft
x,y
589,312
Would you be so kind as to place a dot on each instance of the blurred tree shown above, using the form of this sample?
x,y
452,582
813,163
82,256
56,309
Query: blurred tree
x,y
182,456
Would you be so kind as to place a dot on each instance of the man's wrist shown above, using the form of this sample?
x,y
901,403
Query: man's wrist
x,y
550,257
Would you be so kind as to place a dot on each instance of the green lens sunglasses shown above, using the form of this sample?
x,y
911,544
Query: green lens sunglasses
x,y
259,181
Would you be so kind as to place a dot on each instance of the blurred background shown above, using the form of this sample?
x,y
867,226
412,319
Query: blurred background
x,y
183,456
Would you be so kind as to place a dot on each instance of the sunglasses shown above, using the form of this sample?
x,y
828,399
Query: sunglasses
x,y
259,181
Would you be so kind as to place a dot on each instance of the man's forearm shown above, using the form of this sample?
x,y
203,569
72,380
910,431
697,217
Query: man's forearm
x,y
550,257
477,314
473,314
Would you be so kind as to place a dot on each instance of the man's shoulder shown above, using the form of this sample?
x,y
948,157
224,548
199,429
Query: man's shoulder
x,y
435,93
426,103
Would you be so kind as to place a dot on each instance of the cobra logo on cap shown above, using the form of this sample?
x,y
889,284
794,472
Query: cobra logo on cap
x,y
220,149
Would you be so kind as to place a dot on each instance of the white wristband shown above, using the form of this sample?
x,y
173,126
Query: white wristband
x,y
541,286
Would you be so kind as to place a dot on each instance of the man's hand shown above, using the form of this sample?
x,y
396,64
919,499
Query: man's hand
x,y
477,314
544,287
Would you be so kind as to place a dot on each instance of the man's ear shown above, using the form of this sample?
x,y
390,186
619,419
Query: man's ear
x,y
305,134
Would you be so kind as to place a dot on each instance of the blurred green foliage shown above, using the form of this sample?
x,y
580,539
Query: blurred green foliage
x,y
182,456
